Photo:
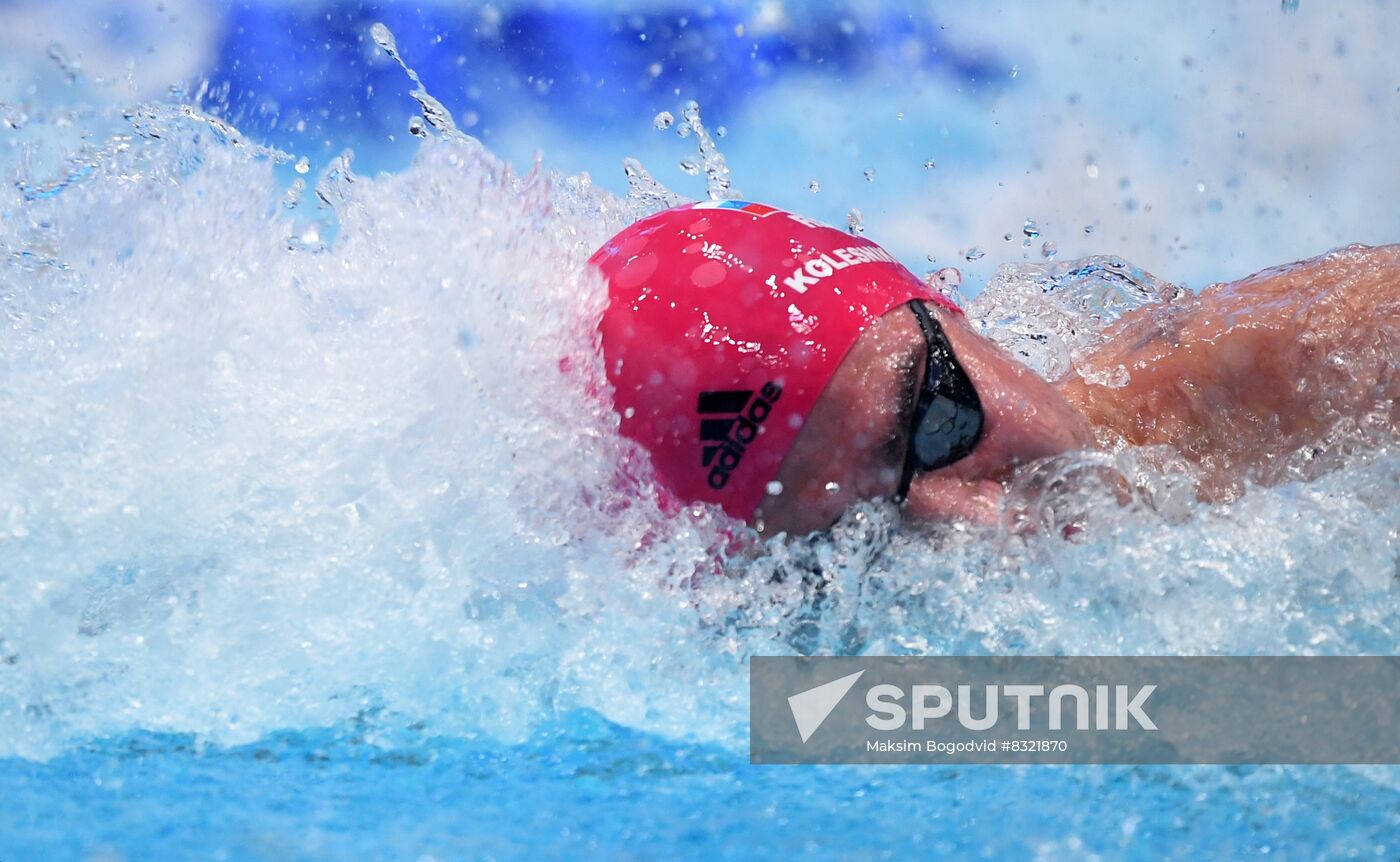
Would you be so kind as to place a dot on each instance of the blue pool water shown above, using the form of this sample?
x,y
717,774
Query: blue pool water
x,y
313,543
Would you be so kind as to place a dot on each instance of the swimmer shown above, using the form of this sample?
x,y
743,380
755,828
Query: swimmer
x,y
786,370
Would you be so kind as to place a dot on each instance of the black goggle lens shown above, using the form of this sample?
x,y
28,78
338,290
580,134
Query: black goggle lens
x,y
947,419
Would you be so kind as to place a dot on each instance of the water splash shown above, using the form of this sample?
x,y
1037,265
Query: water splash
x,y
717,182
644,194
249,488
1052,316
435,113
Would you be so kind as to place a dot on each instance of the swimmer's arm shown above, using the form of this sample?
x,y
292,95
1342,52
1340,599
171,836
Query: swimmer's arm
x,y
1246,373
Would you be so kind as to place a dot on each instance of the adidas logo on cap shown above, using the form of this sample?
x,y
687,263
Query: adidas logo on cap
x,y
724,440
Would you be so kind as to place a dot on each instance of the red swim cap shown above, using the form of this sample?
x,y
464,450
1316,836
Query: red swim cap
x,y
725,321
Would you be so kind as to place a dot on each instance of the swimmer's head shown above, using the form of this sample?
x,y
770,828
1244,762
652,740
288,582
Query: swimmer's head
x,y
784,369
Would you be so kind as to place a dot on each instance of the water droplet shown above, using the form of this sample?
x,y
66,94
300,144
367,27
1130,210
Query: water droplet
x,y
1091,171
70,67
832,488
814,186
383,38
1048,250
721,131
13,116
1026,243
1030,229
683,129
1015,70
663,121
975,253
717,181
1088,230
774,487
293,195
690,166
1009,236
434,112
1289,6
855,221
931,257
417,128
870,175
899,116
303,165
929,165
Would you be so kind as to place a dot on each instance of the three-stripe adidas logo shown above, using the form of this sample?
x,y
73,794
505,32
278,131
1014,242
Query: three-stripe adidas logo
x,y
724,440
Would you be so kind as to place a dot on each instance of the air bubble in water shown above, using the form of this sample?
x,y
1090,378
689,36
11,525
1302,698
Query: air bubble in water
x,y
975,253
303,165
855,221
663,121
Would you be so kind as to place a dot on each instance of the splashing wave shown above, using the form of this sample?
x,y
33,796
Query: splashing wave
x,y
256,481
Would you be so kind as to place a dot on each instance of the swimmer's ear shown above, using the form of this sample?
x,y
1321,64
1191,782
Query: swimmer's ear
x,y
941,498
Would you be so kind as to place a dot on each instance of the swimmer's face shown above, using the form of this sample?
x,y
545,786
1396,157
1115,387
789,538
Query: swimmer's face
x,y
853,444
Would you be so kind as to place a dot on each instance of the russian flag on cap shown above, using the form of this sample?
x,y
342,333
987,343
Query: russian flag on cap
x,y
744,206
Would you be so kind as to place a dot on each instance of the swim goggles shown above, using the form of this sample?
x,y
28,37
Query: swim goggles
x,y
947,419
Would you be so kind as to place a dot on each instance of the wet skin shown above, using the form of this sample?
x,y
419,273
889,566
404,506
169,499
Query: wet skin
x,y
1236,378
